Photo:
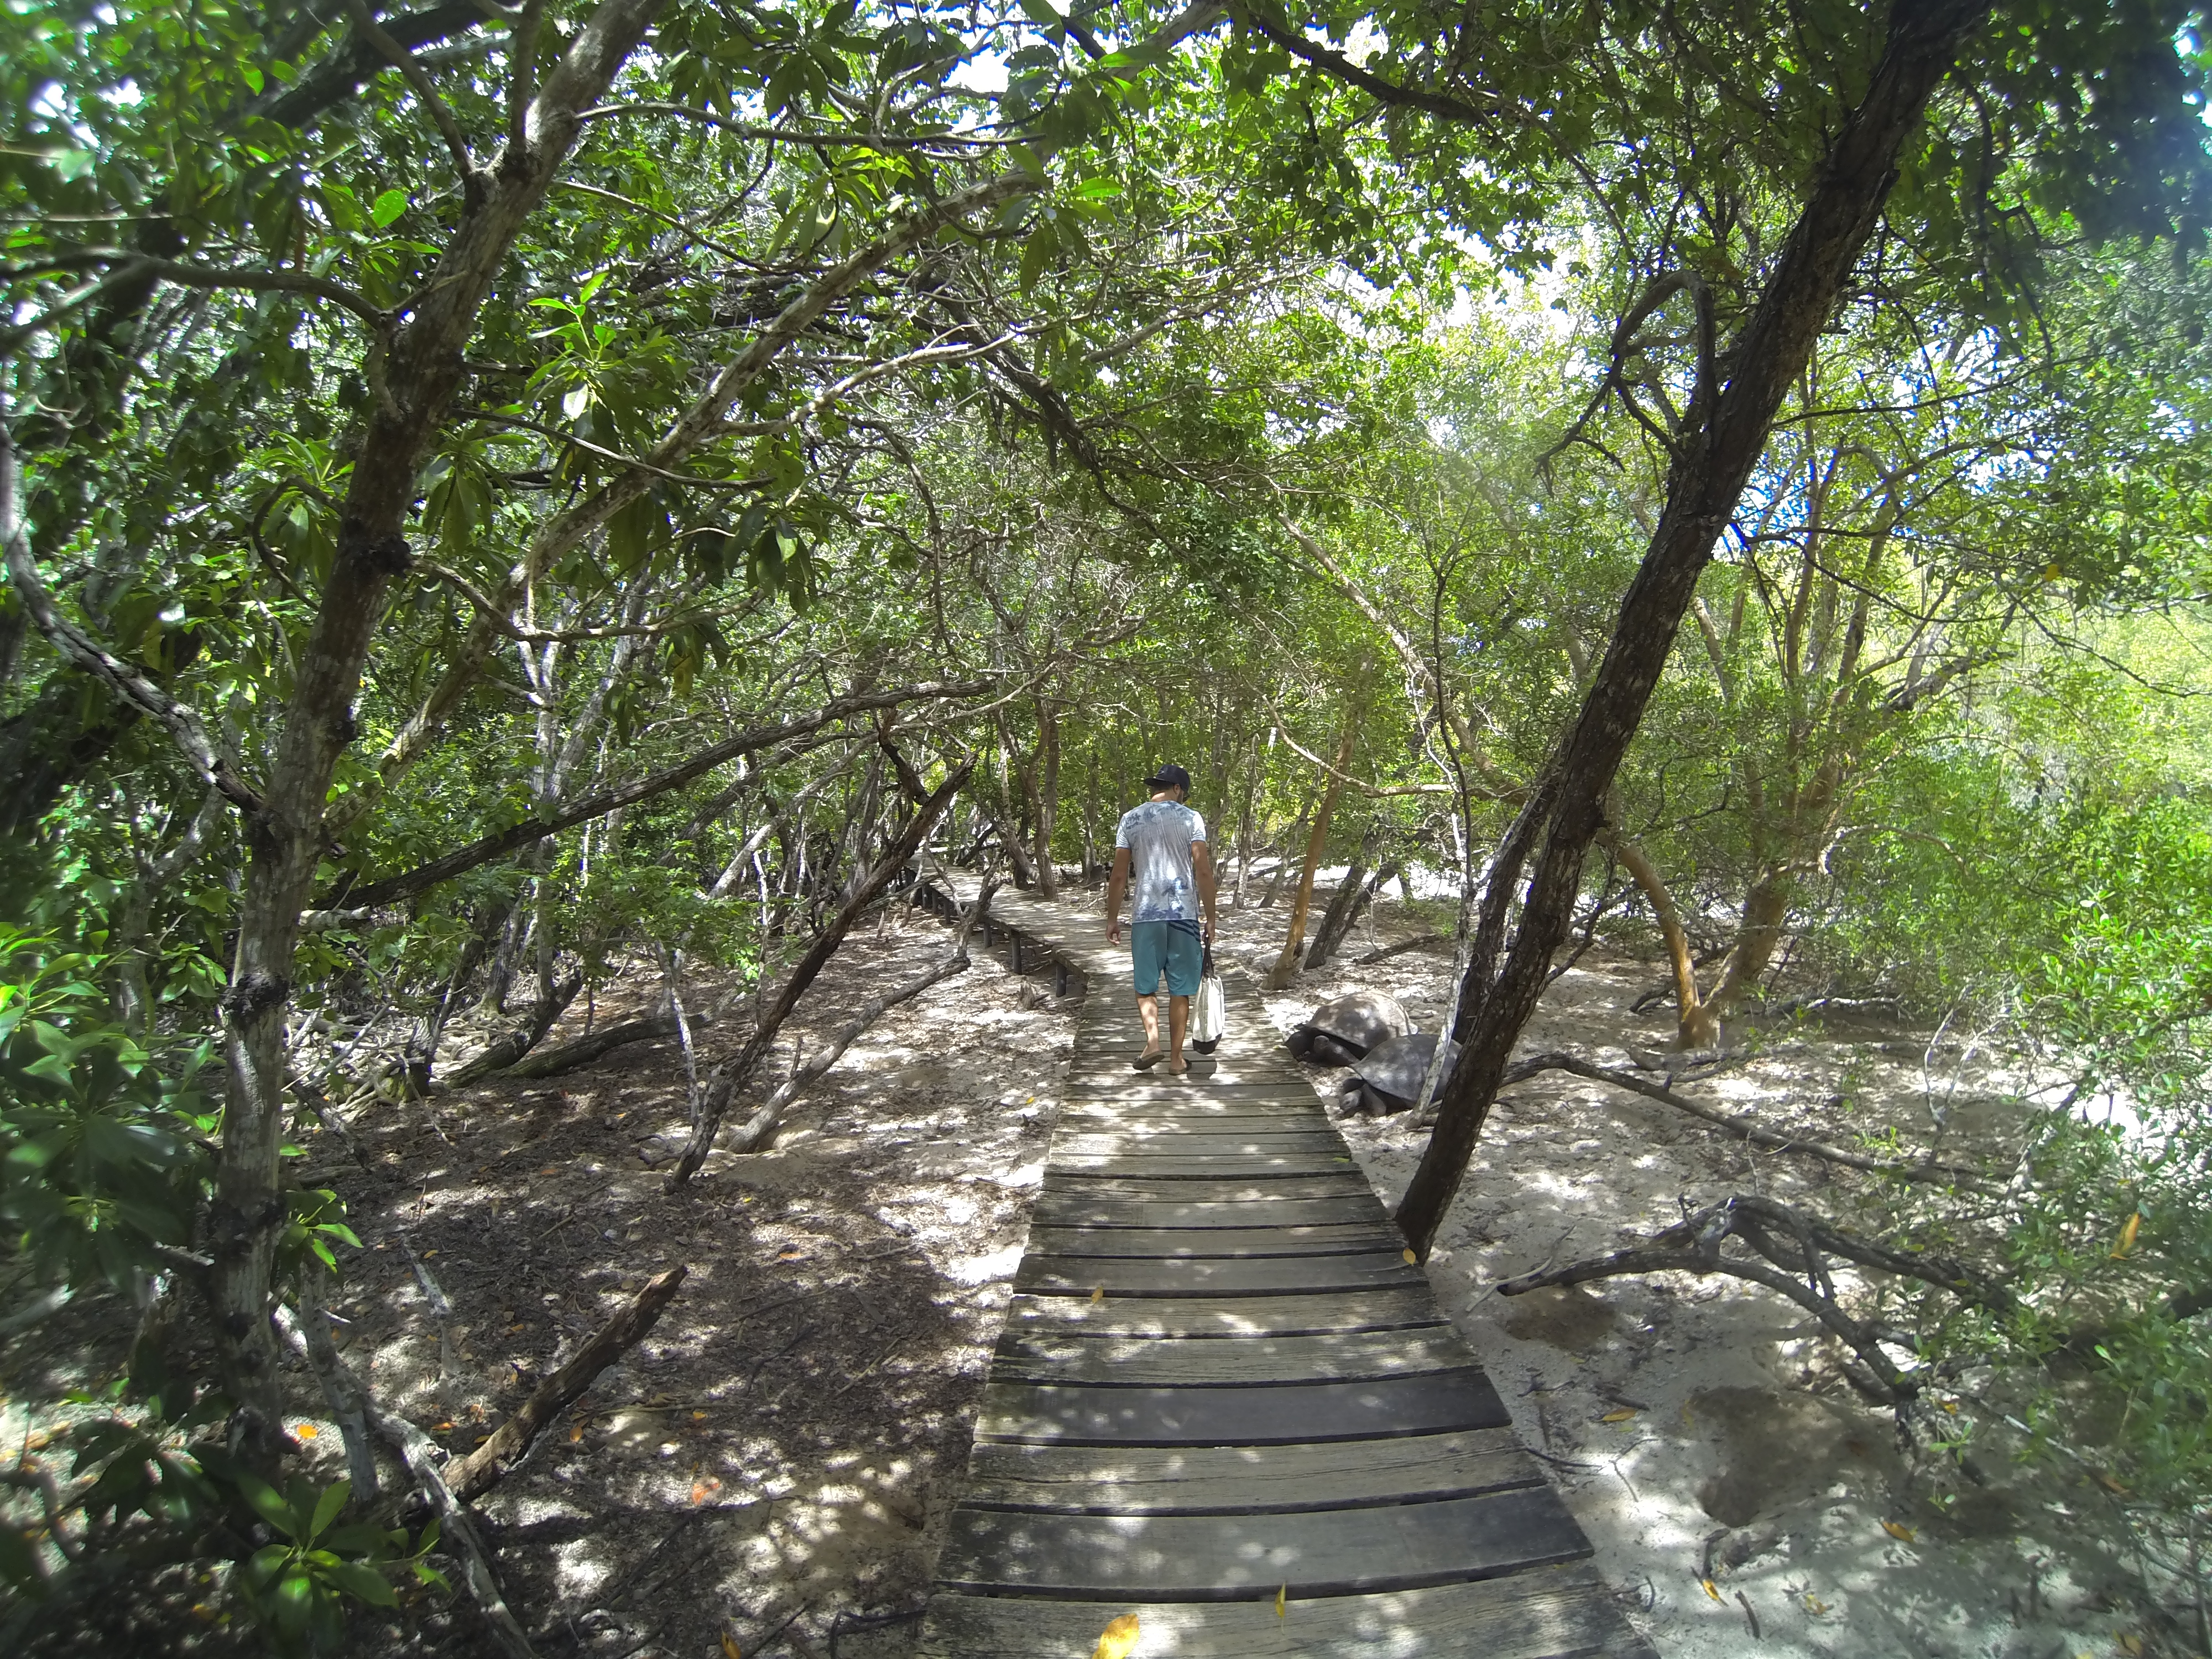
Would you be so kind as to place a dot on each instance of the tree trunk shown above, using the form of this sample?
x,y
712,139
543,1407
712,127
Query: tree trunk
x,y
1283,865
1766,907
1723,432
415,370
732,1076
1348,901
1695,1026
1044,802
1294,936
1244,828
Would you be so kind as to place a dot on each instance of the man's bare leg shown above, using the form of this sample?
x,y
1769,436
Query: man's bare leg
x,y
1148,1008
1178,1023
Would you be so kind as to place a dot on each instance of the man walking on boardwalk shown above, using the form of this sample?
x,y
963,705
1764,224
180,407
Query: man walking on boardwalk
x,y
1171,917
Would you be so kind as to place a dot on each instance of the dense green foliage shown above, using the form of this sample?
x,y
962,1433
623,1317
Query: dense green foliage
x,y
1206,386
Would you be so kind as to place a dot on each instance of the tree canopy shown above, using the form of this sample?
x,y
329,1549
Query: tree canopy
x,y
495,494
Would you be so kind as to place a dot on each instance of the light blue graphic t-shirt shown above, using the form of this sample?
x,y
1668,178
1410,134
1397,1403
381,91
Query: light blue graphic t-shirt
x,y
1158,836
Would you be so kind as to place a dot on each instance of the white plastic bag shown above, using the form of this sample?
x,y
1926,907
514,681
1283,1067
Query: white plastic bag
x,y
1209,1011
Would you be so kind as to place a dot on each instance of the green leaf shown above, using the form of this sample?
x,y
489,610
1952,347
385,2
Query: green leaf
x,y
269,1504
364,1584
387,206
1038,253
19,1564
1042,14
327,1507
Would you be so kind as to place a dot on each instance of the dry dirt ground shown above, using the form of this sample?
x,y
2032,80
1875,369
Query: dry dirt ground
x,y
773,1463
769,1472
1699,1428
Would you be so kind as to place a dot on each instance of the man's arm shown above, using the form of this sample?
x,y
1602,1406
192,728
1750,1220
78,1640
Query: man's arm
x,y
1116,884
1201,866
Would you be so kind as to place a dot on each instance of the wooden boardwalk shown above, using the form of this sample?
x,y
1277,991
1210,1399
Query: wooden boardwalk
x,y
1220,1380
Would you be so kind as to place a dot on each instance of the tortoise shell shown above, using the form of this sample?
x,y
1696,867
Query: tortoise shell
x,y
1393,1071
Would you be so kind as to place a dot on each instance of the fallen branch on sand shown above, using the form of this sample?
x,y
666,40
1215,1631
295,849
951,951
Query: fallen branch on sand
x,y
761,1124
1383,953
1744,1127
484,1467
449,1488
734,1074
1790,1244
457,1531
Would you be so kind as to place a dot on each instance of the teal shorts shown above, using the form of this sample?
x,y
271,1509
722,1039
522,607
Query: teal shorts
x,y
1157,947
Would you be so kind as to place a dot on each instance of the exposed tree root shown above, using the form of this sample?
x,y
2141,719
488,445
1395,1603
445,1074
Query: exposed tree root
x,y
1790,1251
1742,1126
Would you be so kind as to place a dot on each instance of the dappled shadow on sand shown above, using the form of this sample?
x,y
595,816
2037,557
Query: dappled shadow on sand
x,y
778,1455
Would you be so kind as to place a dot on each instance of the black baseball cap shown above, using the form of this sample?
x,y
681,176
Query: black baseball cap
x,y
1170,776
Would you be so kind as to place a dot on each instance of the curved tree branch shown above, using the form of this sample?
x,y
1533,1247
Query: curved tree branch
x,y
183,723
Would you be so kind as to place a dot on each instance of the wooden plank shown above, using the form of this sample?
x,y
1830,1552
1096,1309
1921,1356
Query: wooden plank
x,y
1171,1140
1182,1102
1203,1097
1226,1317
1145,1116
1332,1184
1214,1361
1106,1055
1235,1276
1337,1238
1072,1205
1546,1612
1238,1557
1223,1167
1240,1481
1290,1414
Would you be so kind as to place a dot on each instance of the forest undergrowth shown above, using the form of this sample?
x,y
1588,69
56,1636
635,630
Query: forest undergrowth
x,y
529,519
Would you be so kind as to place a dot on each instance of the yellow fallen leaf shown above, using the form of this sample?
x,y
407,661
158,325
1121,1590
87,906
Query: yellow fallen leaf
x,y
1709,1588
1410,1258
730,1648
445,1427
699,1490
1952,1407
1098,1293
1620,1416
1899,1531
1120,1639
1283,1602
575,1434
2131,1642
2127,1239
427,1255
698,1417
2111,1485
1814,1605
306,1431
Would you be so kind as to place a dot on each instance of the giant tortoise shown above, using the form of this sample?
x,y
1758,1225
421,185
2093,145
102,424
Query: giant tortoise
x,y
1342,1029
1388,1078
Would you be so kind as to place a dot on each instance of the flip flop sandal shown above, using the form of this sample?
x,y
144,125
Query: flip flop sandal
x,y
1145,1062
1183,1070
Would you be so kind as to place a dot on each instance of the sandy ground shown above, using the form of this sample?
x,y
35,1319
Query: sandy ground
x,y
1700,1427
772,1468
